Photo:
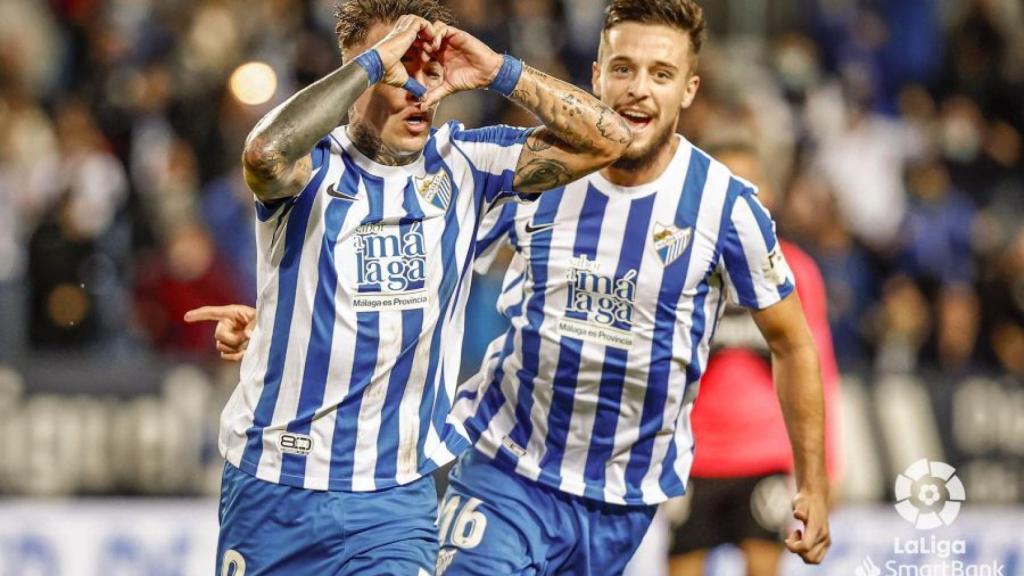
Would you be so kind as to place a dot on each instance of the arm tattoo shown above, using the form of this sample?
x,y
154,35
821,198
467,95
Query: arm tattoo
x,y
287,133
543,174
580,133
613,127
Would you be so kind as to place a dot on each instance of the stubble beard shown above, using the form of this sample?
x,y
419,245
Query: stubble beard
x,y
646,156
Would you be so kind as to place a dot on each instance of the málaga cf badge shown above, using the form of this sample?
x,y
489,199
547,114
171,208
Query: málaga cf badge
x,y
671,242
435,188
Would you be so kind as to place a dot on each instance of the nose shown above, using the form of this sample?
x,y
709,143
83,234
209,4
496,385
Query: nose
x,y
640,87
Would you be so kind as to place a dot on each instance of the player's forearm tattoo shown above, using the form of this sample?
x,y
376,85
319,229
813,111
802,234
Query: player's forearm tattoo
x,y
572,114
580,133
287,133
545,174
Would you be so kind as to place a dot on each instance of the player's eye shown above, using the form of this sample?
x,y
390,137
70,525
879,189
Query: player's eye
x,y
622,69
663,75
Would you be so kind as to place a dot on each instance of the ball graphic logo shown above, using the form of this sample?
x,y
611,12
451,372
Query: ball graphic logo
x,y
929,494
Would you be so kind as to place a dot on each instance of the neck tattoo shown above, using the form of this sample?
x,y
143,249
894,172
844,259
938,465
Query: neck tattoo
x,y
370,144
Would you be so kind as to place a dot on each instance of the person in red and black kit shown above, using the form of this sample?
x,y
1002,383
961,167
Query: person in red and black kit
x,y
739,490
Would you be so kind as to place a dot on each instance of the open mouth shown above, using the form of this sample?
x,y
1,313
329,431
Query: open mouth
x,y
417,122
637,120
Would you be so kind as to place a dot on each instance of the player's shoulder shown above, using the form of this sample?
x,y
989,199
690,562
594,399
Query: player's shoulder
x,y
804,268
499,134
719,181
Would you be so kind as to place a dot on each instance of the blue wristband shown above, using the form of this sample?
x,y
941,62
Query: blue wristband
x,y
508,76
371,62
415,88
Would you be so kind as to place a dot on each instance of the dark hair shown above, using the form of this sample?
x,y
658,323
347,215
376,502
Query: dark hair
x,y
685,15
355,17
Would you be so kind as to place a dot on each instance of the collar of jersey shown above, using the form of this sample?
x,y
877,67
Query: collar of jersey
x,y
674,169
340,135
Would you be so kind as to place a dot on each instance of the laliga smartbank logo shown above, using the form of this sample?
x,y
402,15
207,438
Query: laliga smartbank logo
x,y
929,495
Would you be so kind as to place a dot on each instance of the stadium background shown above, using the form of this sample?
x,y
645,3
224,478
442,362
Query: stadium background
x,y
892,128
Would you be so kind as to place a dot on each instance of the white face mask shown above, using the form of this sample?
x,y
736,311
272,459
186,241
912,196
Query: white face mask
x,y
960,138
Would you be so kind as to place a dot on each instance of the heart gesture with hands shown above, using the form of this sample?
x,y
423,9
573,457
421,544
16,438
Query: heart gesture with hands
x,y
468,63
410,34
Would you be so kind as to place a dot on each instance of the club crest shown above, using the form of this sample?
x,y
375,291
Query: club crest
x,y
670,242
435,188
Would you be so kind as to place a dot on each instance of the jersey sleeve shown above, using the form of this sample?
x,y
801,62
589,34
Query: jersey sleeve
x,y
497,225
268,211
757,274
494,153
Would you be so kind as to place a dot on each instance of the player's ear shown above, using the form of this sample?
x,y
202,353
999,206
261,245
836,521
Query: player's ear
x,y
690,91
595,79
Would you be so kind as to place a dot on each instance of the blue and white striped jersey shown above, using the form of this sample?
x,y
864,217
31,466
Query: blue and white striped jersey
x,y
363,282
613,298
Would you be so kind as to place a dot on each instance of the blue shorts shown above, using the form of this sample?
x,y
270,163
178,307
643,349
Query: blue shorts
x,y
268,528
495,521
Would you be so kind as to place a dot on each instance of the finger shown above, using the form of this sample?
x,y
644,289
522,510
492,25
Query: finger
x,y
235,357
229,336
230,333
434,96
816,554
455,37
427,31
441,30
813,532
421,27
822,550
207,314
225,349
247,313
800,513
795,543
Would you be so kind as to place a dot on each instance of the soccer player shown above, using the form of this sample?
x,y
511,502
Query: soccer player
x,y
739,483
579,417
366,235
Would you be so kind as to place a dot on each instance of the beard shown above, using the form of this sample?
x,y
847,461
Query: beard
x,y
643,157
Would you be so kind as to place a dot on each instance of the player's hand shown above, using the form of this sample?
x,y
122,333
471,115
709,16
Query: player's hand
x,y
410,37
235,324
468,63
812,542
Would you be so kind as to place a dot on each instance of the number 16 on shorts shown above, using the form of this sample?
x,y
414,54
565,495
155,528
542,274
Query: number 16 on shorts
x,y
460,524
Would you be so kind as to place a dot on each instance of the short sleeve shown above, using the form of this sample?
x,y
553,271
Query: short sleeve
x,y
497,225
756,271
494,153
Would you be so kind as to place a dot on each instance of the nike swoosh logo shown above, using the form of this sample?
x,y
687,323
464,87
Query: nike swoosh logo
x,y
340,196
531,229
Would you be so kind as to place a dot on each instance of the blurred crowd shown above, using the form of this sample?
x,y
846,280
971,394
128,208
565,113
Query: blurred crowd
x,y
893,130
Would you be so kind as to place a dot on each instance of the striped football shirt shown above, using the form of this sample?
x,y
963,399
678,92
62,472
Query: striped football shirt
x,y
613,298
363,279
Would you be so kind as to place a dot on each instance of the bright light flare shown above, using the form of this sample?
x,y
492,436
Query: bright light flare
x,y
253,83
